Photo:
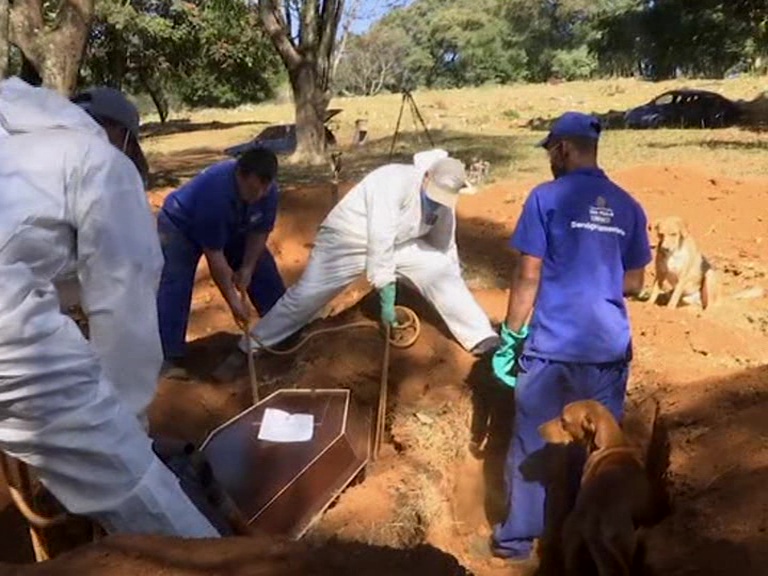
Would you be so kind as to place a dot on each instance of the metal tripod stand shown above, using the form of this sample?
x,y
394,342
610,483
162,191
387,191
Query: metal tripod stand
x,y
415,115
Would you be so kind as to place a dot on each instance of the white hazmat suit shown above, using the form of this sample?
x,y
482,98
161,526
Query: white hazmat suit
x,y
378,229
70,408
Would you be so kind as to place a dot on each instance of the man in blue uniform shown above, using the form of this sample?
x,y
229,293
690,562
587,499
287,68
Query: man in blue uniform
x,y
225,213
583,245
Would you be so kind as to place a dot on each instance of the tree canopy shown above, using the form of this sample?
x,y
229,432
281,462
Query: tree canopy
x,y
221,52
203,53
445,43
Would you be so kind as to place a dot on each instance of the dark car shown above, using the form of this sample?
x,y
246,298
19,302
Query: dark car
x,y
281,138
684,109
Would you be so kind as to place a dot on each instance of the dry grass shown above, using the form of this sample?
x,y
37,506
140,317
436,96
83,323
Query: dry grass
x,y
491,123
434,441
436,437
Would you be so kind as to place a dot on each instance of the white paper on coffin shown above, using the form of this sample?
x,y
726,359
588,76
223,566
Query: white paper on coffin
x,y
280,426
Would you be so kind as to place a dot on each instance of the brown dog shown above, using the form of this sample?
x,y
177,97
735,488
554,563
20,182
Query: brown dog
x,y
680,264
615,494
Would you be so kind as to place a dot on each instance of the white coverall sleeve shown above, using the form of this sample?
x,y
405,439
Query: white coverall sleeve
x,y
119,262
382,205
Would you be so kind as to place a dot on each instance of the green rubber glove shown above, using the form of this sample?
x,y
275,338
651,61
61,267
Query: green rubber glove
x,y
504,360
387,299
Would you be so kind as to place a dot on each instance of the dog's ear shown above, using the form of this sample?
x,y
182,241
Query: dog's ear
x,y
587,423
589,427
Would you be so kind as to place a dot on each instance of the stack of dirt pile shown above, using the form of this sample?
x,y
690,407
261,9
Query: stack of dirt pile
x,y
145,556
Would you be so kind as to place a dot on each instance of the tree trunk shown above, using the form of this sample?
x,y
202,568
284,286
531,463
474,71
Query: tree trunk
x,y
311,105
308,61
55,51
4,41
61,68
160,102
155,90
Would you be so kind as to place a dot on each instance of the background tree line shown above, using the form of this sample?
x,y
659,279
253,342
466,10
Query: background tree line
x,y
223,53
454,43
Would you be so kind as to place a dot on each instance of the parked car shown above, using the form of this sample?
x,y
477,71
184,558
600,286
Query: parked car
x,y
684,109
281,138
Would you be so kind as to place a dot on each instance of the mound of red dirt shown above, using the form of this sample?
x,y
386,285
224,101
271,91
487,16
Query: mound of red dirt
x,y
151,556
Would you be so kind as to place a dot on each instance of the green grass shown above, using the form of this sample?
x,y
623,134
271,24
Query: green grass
x,y
499,124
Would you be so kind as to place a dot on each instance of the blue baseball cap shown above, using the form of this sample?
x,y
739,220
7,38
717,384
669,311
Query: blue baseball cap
x,y
573,124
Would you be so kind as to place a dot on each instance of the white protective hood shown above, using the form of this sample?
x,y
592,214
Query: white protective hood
x,y
26,109
74,204
71,407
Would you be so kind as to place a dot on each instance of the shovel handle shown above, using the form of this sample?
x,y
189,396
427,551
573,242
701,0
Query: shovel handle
x,y
383,386
251,363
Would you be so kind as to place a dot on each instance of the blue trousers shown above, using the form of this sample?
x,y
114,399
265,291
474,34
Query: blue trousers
x,y
174,297
542,391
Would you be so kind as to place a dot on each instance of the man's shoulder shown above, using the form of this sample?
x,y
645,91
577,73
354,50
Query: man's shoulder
x,y
626,199
221,169
70,142
548,186
547,193
214,176
391,178
393,170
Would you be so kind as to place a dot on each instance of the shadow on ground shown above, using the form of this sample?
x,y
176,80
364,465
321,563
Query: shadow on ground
x,y
717,479
713,144
186,126
170,169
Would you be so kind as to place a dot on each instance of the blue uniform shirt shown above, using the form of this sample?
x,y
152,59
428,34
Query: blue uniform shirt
x,y
210,212
588,232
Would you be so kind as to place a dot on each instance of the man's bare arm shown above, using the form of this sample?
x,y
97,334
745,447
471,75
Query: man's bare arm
x,y
255,243
523,291
222,276
634,281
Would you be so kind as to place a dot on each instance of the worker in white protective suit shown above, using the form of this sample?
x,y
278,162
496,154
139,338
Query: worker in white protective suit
x,y
72,202
399,221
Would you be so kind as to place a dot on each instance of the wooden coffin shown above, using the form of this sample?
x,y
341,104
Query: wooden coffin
x,y
282,488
